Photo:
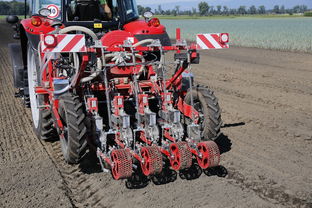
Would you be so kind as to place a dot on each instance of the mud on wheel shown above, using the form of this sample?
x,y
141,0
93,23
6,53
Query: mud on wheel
x,y
206,103
42,118
74,143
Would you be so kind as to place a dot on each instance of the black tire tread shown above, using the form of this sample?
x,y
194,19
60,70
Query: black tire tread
x,y
47,130
71,107
212,122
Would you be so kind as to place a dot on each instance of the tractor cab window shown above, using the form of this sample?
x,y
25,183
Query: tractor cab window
x,y
90,10
55,6
131,9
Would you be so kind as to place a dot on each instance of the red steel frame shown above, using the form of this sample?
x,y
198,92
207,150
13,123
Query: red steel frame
x,y
175,80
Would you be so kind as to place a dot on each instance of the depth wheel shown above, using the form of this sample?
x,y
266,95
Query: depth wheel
x,y
42,118
209,154
152,161
122,164
74,143
181,156
206,103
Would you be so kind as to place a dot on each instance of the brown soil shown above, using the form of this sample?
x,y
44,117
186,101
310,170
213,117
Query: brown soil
x,y
266,97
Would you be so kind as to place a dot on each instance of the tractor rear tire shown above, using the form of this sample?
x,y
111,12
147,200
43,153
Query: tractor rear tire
x,y
42,118
206,103
74,143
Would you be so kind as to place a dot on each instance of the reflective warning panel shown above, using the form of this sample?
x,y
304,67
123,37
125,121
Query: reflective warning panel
x,y
212,41
63,43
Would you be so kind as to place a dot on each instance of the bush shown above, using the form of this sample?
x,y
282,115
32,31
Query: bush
x,y
12,7
308,14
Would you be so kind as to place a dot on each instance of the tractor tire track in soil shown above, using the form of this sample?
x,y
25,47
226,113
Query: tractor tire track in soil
x,y
267,143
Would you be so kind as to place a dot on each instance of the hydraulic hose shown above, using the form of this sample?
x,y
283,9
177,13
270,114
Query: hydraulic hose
x,y
143,42
65,89
79,28
76,66
76,58
94,74
75,77
43,66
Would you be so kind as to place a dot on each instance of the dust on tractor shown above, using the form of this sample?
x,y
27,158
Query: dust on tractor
x,y
103,84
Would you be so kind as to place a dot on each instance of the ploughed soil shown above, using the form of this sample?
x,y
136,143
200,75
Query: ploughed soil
x,y
266,141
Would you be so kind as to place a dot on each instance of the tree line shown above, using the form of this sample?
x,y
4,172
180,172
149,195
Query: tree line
x,y
204,9
12,7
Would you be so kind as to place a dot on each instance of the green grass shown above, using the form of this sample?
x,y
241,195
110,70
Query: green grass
x,y
308,14
287,34
226,17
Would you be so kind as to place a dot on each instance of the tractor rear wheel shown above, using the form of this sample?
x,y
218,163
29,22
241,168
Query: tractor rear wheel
x,y
42,118
74,142
206,103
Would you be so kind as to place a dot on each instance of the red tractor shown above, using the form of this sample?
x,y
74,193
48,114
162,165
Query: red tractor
x,y
100,82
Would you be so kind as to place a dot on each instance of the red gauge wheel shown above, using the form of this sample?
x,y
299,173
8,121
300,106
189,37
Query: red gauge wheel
x,y
181,156
152,161
122,164
209,154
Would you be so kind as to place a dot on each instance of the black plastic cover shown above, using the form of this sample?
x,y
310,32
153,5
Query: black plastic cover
x,y
164,38
18,67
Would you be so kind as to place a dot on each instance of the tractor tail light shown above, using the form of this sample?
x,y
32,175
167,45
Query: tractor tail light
x,y
50,40
154,22
224,37
36,21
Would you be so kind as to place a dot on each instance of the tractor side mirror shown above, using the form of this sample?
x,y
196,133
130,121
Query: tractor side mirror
x,y
148,15
44,12
12,19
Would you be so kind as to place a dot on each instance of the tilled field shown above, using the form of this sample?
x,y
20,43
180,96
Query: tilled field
x,y
266,97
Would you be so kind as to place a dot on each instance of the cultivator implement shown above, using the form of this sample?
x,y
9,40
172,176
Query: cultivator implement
x,y
136,117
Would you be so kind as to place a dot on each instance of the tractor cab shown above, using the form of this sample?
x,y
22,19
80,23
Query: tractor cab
x,y
54,6
89,13
122,21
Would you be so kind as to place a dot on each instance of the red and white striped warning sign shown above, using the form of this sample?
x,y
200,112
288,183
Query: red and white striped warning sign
x,y
212,41
63,43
